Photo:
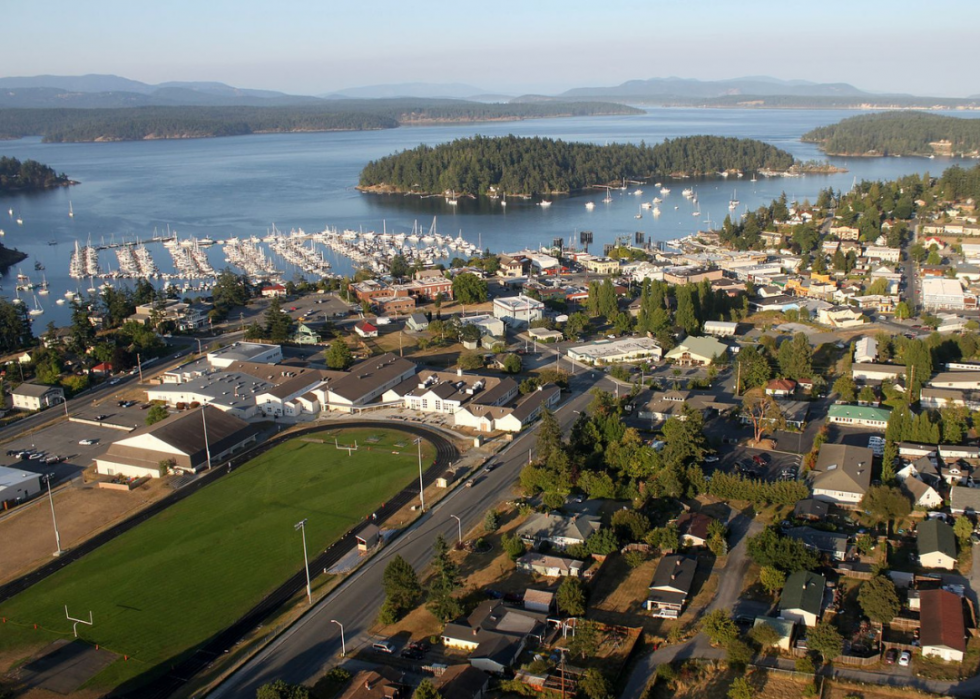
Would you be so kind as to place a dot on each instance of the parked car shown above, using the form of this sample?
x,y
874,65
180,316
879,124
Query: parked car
x,y
87,442
890,656
905,658
410,654
711,458
383,646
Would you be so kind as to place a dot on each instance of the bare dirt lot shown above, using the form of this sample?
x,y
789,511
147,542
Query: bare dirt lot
x,y
712,681
82,510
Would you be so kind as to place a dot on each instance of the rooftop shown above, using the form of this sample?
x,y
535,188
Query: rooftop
x,y
934,536
843,468
242,351
858,412
941,618
803,590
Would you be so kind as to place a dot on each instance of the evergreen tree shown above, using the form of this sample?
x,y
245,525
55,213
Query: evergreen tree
x,y
687,315
278,323
339,355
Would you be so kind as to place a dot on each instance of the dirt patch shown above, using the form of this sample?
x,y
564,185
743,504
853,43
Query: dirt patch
x,y
712,681
82,511
836,689
618,592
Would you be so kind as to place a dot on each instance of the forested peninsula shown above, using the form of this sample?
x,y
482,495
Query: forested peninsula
x,y
898,133
526,166
147,123
30,175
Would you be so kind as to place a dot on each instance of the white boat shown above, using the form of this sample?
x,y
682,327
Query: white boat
x,y
638,192
37,310
20,221
656,211
657,200
451,200
11,212
646,205
754,178
60,302
2,233
544,204
205,242
589,205
733,204
608,199
695,213
71,212
504,201
665,191
658,184
687,193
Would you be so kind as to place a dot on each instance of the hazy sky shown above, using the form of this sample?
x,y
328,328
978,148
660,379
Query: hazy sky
x,y
499,45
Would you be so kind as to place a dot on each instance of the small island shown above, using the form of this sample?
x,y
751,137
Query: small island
x,y
28,176
897,134
482,166
9,257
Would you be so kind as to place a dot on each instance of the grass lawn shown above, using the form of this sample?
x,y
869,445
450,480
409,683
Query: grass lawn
x,y
172,582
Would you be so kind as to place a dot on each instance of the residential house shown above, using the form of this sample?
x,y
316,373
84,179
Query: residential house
x,y
720,328
697,351
858,416
923,495
417,322
550,566
383,682
494,634
936,544
305,335
832,545
365,329
785,630
35,396
781,388
868,371
671,586
865,351
942,629
964,500
538,600
693,528
802,597
811,510
462,682
842,474
558,529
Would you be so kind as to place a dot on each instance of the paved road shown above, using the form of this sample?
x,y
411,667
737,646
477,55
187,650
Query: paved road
x,y
313,643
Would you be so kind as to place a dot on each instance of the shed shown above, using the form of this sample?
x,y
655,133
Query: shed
x,y
538,600
368,537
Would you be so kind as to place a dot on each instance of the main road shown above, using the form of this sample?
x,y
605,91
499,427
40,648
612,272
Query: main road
x,y
313,643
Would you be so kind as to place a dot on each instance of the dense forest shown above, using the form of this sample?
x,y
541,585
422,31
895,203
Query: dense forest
x,y
28,175
898,133
139,123
542,165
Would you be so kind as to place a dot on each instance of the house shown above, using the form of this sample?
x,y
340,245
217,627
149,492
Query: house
x,y
965,380
518,311
462,682
912,450
305,335
868,371
550,566
697,351
102,369
964,500
937,545
811,509
538,600
417,322
255,352
666,404
384,682
545,335
190,441
924,468
626,349
780,388
923,495
35,396
558,529
842,474
273,291
828,543
802,597
17,485
368,537
720,328
865,350
513,267
494,634
942,630
840,317
671,586
693,528
859,416
365,329
784,628
486,323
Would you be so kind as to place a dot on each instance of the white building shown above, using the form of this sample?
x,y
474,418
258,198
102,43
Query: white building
x,y
35,396
720,328
257,352
488,324
842,474
940,294
518,311
624,350
887,254
865,350
17,486
868,371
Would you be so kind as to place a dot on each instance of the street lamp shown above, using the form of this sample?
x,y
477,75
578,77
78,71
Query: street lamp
x,y
301,526
343,643
421,484
54,520
459,527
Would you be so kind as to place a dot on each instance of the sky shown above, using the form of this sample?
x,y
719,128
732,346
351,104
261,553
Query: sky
x,y
501,46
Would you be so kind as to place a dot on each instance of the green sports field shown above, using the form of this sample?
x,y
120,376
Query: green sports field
x,y
173,581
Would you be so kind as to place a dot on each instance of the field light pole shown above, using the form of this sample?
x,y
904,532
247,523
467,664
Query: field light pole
x,y
301,526
207,447
421,484
54,520
459,527
343,644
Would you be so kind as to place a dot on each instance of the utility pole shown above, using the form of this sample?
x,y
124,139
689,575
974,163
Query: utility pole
x,y
421,484
139,366
207,447
301,526
738,375
459,527
54,520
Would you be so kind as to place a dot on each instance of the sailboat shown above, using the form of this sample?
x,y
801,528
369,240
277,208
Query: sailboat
x,y
589,205
733,204
43,288
451,200
504,201
71,212
608,199
639,213
37,310
754,178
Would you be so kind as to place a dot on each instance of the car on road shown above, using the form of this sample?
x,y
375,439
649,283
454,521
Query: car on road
x,y
469,483
410,654
87,442
711,458
489,467
383,646
905,658
101,416
890,656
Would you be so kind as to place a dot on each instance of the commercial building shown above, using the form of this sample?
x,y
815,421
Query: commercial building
x,y
508,418
877,372
446,392
488,324
697,351
518,311
842,474
858,416
720,328
364,383
255,352
623,350
940,294
177,443
17,485
35,396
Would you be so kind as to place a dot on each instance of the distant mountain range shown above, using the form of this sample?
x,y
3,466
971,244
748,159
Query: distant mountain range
x,y
112,91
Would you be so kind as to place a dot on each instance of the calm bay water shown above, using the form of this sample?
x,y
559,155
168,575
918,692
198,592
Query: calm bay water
x,y
241,186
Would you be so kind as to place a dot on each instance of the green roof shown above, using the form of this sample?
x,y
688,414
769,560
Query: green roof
x,y
936,535
707,347
803,590
859,412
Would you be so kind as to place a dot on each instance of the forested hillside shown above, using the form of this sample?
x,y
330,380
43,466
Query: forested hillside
x,y
30,174
542,165
139,123
898,133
